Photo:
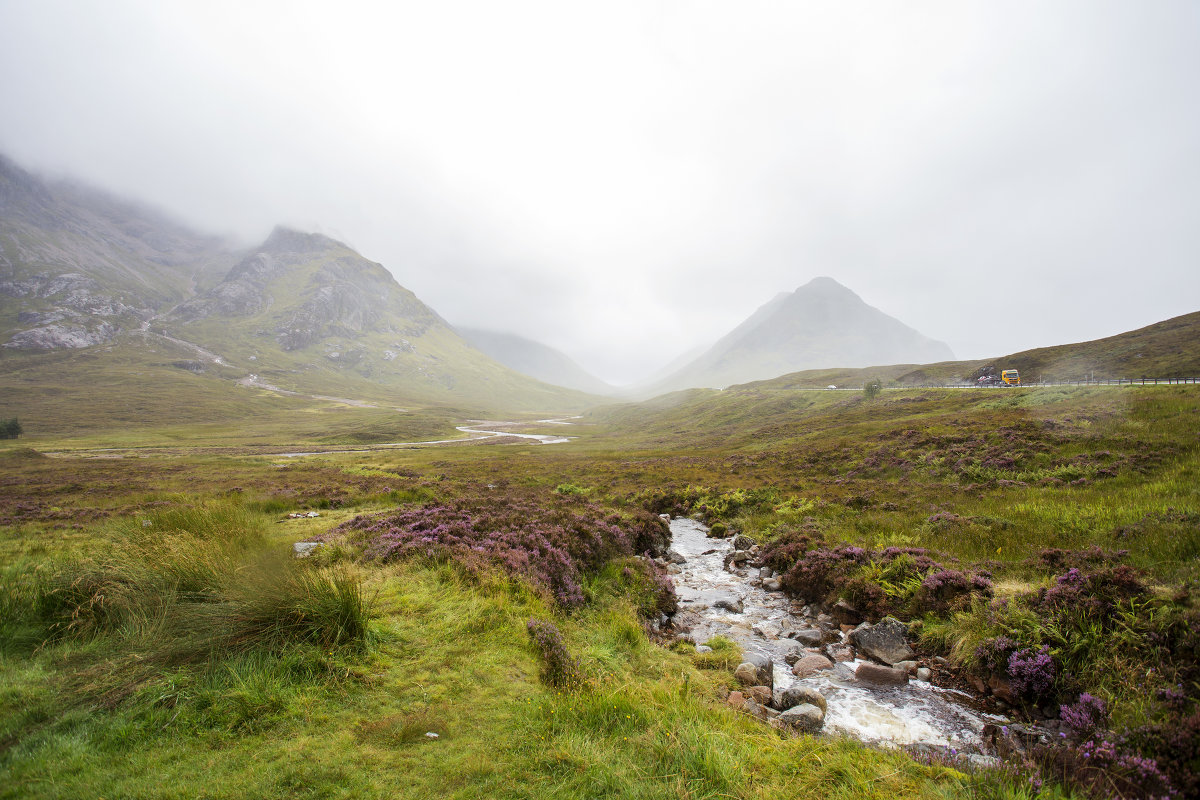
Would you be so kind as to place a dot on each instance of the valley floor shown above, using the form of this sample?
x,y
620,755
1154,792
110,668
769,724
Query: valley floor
x,y
159,641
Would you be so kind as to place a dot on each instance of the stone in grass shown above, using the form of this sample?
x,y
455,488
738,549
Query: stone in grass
x,y
810,665
886,641
880,675
304,549
761,695
804,717
796,695
747,674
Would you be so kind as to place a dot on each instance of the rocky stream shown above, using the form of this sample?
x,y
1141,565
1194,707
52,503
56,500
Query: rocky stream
x,y
813,668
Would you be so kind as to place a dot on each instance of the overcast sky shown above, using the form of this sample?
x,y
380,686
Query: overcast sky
x,y
628,180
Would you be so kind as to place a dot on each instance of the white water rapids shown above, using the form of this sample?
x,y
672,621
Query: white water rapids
x,y
917,714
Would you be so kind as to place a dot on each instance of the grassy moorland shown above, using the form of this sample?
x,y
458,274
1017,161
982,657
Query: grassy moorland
x,y
157,640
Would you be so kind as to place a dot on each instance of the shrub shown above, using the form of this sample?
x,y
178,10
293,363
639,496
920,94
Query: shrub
x,y
815,575
1085,715
650,588
549,540
1096,594
559,668
1032,671
872,389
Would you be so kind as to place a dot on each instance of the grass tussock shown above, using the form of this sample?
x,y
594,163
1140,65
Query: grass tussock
x,y
180,584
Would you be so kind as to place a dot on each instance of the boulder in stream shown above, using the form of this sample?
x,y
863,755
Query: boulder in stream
x,y
764,668
880,675
737,558
795,695
743,542
810,637
886,641
675,557
810,665
729,603
804,717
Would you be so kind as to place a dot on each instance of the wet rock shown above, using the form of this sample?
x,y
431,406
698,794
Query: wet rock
x,y
761,695
796,695
747,674
764,668
768,629
846,614
742,542
667,517
846,628
840,652
673,569
881,676
804,717
792,655
765,572
675,557
810,664
736,558
886,641
811,637
729,603
844,671
908,666
978,684
924,673
754,709
772,585
824,619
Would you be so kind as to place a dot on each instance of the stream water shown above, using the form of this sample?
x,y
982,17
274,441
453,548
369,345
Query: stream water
x,y
917,714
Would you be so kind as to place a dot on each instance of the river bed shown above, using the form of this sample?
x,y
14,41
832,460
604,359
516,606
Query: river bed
x,y
917,714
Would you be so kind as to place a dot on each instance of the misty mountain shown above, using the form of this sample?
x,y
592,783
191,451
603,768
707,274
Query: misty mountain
x,y
78,265
535,359
821,324
81,270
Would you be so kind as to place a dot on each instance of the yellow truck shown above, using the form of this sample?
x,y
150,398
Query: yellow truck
x,y
1010,377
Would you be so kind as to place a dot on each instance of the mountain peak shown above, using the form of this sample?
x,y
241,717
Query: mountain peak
x,y
826,286
821,325
290,240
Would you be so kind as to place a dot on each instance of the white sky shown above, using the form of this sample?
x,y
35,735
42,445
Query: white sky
x,y
627,180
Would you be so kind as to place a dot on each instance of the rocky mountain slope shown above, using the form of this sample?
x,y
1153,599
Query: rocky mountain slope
x,y
82,271
77,266
535,359
822,324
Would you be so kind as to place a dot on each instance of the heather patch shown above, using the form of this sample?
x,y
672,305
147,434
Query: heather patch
x,y
551,540
559,668
895,580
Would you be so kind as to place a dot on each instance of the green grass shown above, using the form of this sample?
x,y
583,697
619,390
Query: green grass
x,y
139,688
